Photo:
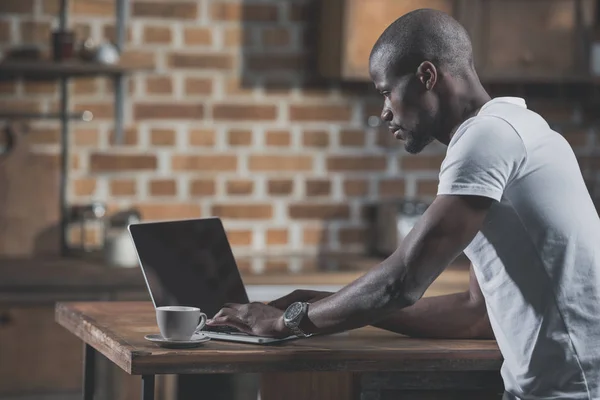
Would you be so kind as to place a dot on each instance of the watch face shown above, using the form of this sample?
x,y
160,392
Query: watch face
x,y
293,311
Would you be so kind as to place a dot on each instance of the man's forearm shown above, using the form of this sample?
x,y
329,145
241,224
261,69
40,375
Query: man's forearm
x,y
454,316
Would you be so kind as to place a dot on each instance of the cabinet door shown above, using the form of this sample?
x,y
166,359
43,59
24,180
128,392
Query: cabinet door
x,y
36,354
365,22
532,40
350,28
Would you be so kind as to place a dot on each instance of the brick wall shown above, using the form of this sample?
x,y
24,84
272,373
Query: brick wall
x,y
232,123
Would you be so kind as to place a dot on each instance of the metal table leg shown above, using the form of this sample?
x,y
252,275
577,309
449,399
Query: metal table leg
x,y
147,387
89,371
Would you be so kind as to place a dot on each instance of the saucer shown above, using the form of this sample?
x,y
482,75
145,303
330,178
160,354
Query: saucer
x,y
195,340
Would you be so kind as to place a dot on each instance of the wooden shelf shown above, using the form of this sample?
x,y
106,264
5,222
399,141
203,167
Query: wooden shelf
x,y
46,69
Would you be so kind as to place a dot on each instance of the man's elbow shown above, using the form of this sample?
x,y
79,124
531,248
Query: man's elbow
x,y
480,326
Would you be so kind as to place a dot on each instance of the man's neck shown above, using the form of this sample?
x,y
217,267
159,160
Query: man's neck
x,y
467,103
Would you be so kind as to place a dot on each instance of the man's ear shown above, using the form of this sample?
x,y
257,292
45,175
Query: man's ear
x,y
427,74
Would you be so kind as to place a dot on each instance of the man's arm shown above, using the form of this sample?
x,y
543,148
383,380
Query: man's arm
x,y
454,316
441,234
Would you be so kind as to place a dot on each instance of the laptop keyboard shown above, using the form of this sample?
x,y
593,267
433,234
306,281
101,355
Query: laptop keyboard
x,y
224,329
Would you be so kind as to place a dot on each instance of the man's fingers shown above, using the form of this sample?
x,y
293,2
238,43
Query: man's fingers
x,y
228,320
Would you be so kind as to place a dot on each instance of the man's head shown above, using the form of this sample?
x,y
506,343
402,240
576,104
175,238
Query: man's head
x,y
416,64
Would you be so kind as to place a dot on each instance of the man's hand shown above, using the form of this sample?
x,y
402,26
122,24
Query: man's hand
x,y
256,319
308,296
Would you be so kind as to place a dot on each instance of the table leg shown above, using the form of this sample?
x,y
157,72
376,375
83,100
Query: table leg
x,y
89,372
147,387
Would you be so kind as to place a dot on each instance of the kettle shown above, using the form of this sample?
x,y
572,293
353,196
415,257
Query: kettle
x,y
119,250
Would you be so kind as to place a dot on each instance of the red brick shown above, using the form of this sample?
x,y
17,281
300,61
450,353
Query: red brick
x,y
356,187
123,187
427,188
352,236
278,138
356,163
318,187
162,137
161,211
244,112
16,7
276,266
553,111
239,237
84,186
315,139
102,162
81,29
391,188
243,211
320,113
85,86
234,86
162,187
158,34
8,87
167,9
387,141
421,162
202,137
99,110
139,59
240,187
194,36
51,7
298,12
159,85
130,137
280,163
40,135
5,32
35,31
353,138
276,237
202,187
276,62
110,33
19,106
93,7
85,137
237,11
169,111
203,86
276,36
32,87
576,138
235,36
204,163
319,211
280,186
201,61
314,236
239,137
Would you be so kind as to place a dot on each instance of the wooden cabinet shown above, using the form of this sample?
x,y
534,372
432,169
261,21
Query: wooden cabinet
x,y
37,354
530,40
350,28
513,40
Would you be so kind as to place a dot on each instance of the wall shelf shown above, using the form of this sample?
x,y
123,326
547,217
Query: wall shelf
x,y
49,70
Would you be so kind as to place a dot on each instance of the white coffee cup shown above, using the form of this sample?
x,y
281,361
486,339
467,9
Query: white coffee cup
x,y
179,322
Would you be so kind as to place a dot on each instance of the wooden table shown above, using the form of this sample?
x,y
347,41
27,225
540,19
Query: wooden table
x,y
117,329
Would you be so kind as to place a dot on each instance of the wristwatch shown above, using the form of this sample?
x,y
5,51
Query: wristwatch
x,y
293,316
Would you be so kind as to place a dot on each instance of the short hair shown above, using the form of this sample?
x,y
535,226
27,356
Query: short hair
x,y
425,35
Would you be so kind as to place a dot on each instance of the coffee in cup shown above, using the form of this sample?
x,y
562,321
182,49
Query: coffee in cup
x,y
179,322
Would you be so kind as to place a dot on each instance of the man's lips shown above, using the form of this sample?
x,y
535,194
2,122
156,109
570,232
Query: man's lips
x,y
397,132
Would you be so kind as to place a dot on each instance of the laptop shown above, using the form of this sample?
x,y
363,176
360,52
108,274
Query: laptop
x,y
190,263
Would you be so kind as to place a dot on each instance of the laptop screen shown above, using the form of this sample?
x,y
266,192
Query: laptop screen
x,y
189,263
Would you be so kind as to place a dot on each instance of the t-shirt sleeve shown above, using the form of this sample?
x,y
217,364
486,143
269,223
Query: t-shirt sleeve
x,y
483,160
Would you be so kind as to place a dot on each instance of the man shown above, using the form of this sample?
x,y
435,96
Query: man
x,y
510,195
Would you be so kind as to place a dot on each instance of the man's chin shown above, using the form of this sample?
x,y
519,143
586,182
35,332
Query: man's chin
x,y
415,147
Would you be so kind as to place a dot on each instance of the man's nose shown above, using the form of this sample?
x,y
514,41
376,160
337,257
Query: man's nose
x,y
386,115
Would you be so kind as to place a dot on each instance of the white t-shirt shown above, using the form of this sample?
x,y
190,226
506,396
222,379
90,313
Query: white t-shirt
x,y
537,257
